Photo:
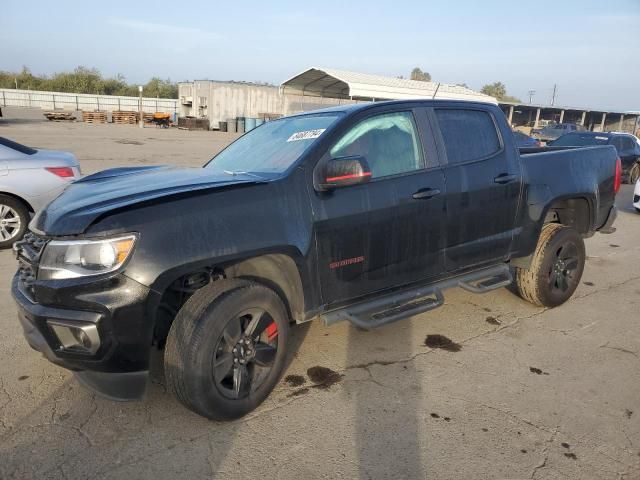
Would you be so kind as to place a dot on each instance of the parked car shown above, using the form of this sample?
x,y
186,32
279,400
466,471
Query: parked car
x,y
553,131
636,196
29,179
525,141
364,213
627,146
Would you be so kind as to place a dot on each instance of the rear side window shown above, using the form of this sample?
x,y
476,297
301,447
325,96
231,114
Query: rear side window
x,y
467,134
17,146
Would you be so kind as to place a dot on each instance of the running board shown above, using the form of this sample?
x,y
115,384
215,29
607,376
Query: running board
x,y
406,303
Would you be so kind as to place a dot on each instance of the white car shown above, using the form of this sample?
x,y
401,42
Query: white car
x,y
29,179
636,196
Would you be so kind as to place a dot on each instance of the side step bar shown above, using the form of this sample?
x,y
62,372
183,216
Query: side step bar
x,y
406,303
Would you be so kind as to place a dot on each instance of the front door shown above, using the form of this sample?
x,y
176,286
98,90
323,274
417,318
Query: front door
x,y
387,232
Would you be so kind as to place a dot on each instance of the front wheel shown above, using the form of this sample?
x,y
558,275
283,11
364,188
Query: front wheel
x,y
634,173
227,348
14,218
556,267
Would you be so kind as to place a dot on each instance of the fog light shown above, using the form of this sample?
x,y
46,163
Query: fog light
x,y
76,338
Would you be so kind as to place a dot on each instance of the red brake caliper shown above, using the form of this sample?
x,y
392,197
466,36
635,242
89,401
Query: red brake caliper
x,y
272,331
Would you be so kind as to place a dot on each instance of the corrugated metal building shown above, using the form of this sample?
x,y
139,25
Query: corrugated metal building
x,y
312,89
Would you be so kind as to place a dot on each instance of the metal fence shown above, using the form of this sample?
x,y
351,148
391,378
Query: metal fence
x,y
80,101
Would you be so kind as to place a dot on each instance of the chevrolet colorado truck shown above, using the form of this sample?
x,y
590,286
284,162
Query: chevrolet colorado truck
x,y
365,213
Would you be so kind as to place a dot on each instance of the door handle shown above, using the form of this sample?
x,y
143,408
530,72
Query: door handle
x,y
426,193
505,178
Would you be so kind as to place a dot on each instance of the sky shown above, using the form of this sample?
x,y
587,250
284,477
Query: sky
x,y
589,48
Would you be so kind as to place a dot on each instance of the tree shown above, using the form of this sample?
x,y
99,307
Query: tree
x,y
86,80
499,91
419,75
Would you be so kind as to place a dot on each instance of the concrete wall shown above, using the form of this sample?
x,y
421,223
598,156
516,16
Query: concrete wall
x,y
73,101
221,101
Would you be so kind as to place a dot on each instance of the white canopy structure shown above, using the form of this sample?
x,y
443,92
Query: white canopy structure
x,y
327,82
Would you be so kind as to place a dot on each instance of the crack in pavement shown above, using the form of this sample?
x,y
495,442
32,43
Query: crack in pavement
x,y
545,453
620,349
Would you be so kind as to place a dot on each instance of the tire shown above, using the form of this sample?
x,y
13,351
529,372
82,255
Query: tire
x,y
556,267
634,173
637,209
204,333
14,218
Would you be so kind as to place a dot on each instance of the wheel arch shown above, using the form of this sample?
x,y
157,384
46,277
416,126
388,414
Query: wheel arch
x,y
276,270
19,198
575,211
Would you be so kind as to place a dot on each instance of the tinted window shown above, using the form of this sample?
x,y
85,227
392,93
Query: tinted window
x,y
628,143
617,142
388,142
467,134
580,140
17,146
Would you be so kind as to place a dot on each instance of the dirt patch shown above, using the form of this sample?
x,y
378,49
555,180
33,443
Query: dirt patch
x,y
434,415
537,371
571,456
126,141
589,284
628,413
523,450
294,380
23,377
613,245
565,445
442,342
492,321
486,309
323,377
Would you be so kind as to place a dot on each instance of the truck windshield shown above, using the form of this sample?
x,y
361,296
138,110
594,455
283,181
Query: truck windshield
x,y
580,140
272,147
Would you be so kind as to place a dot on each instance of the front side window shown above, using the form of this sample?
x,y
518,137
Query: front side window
x,y
388,142
273,147
467,134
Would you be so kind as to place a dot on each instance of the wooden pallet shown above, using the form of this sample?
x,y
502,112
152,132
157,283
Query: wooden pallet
x,y
122,117
94,117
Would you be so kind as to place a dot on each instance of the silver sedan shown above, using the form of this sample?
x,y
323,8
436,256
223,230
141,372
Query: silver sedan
x,y
29,179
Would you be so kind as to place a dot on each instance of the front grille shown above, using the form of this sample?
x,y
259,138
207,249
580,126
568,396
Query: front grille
x,y
28,252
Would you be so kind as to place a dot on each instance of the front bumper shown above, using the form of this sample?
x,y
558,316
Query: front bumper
x,y
118,306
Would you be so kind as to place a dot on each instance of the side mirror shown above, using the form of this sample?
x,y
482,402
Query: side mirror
x,y
345,171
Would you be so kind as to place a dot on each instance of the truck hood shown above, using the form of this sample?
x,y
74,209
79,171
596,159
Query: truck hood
x,y
92,196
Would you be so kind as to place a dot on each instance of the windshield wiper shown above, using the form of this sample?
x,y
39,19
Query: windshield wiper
x,y
236,173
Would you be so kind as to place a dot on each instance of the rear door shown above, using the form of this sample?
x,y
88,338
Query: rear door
x,y
387,232
483,180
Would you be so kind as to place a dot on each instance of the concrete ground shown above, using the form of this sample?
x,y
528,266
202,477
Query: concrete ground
x,y
520,392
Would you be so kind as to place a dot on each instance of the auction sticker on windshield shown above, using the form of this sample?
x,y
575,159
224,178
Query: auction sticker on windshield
x,y
306,135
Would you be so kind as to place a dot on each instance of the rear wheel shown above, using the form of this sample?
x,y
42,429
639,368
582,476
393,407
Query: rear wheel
x,y
226,348
14,218
556,267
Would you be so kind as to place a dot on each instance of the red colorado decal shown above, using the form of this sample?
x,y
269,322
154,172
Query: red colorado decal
x,y
345,262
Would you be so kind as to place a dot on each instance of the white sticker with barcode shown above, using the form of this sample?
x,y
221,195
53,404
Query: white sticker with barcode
x,y
306,135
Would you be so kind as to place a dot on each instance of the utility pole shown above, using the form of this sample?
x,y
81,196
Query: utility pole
x,y
140,107
553,97
531,94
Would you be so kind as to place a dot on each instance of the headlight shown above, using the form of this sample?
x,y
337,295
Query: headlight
x,y
81,258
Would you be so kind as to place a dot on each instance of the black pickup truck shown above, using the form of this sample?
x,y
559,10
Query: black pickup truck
x,y
364,213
